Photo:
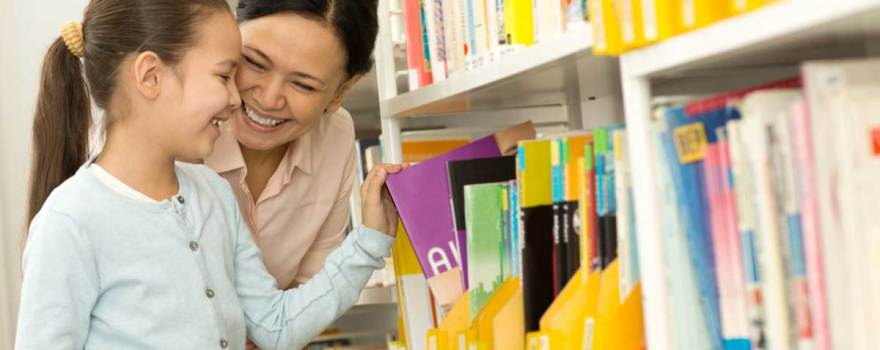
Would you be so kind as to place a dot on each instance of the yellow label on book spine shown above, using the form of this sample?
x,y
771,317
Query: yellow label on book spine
x,y
690,142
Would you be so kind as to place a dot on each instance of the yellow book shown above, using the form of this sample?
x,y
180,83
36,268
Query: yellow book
x,y
607,38
742,6
572,156
519,22
660,19
534,172
700,13
564,321
632,33
415,151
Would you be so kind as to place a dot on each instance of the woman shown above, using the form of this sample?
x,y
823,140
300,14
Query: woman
x,y
289,154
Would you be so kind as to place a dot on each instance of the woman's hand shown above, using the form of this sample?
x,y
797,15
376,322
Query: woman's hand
x,y
378,209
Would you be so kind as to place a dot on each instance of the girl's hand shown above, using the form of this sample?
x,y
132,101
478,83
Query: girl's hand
x,y
378,209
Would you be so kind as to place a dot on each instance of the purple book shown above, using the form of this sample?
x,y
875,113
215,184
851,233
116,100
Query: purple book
x,y
421,194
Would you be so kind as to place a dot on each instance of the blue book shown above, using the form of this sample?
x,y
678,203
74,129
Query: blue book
x,y
684,140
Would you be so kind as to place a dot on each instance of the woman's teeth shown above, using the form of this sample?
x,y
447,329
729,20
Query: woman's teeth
x,y
267,122
216,122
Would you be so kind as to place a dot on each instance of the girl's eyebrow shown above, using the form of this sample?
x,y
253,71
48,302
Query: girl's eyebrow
x,y
231,64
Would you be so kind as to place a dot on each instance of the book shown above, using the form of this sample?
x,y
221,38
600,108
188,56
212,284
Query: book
x,y
419,72
606,199
760,109
632,30
533,176
436,29
415,306
684,143
837,147
573,154
589,220
607,38
802,144
560,248
726,244
747,222
519,22
469,172
689,322
792,239
421,194
485,240
627,248
699,13
660,19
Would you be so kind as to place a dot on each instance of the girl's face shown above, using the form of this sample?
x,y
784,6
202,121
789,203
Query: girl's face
x,y
200,93
292,71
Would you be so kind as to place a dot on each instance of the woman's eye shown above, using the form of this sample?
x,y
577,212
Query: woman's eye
x,y
252,63
225,78
304,87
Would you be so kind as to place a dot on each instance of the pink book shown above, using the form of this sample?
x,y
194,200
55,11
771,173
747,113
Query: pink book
x,y
728,257
809,206
727,201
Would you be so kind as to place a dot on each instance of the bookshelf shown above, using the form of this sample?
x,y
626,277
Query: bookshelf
x,y
764,45
752,46
551,73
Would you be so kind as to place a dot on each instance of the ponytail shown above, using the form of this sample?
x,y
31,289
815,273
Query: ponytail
x,y
62,121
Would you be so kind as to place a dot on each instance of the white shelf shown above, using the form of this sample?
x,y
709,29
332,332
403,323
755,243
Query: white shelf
x,y
537,69
782,33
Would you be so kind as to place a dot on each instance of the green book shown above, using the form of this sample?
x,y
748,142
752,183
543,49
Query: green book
x,y
484,214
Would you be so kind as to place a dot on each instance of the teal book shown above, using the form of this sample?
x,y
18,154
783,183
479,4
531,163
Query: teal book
x,y
484,213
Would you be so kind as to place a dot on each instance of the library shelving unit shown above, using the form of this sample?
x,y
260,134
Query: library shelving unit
x,y
549,74
735,52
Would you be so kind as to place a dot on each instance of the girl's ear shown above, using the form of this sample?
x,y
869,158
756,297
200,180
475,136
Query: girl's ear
x,y
147,78
340,95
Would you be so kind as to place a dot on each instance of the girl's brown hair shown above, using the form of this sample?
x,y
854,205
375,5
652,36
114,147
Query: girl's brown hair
x,y
112,30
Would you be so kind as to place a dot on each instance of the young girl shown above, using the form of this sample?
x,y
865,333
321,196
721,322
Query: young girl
x,y
134,250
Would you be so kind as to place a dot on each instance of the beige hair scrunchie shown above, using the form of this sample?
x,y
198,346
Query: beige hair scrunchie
x,y
72,34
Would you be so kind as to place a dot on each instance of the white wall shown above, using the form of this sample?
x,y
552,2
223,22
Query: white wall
x,y
26,30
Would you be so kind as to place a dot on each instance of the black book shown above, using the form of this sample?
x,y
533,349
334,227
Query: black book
x,y
471,172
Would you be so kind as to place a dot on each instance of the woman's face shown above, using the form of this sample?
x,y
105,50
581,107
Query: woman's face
x,y
292,71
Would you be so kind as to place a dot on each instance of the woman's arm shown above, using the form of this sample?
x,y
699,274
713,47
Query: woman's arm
x,y
60,285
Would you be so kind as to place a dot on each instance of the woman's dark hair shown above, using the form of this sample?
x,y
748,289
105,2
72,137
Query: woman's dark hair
x,y
354,21
112,30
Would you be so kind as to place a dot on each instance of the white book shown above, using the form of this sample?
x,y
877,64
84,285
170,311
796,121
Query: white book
x,y
480,47
436,40
417,315
856,112
760,110
747,226
626,229
826,85
449,33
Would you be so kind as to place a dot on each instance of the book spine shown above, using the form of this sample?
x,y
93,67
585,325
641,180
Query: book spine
x,y
807,201
414,45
